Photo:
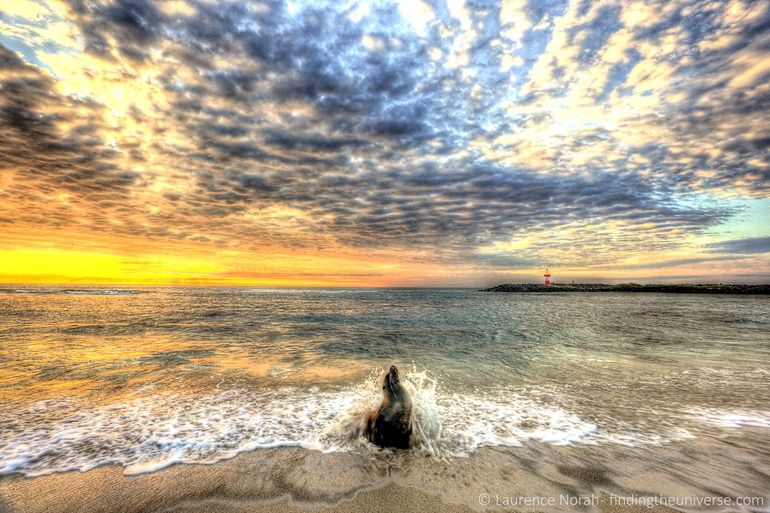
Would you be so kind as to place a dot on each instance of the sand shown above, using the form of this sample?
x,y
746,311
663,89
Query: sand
x,y
275,480
293,479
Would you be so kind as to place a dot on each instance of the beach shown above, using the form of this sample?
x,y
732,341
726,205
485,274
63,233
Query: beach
x,y
183,399
295,479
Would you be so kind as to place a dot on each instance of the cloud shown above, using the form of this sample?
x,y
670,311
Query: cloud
x,y
127,26
676,262
9,60
50,143
592,130
257,274
741,246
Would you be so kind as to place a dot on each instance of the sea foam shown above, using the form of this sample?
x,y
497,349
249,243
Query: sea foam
x,y
148,433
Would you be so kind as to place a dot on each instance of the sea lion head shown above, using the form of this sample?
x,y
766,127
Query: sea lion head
x,y
395,393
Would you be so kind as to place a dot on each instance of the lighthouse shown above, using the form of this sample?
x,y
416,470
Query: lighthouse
x,y
547,277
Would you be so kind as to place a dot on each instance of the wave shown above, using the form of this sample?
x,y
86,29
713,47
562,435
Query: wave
x,y
86,292
731,419
151,432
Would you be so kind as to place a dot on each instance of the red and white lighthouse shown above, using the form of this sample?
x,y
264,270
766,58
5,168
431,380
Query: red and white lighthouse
x,y
547,277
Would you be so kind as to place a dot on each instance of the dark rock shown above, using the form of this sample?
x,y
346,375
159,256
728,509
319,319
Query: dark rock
x,y
681,288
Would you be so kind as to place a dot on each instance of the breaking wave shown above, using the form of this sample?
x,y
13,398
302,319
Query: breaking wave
x,y
151,432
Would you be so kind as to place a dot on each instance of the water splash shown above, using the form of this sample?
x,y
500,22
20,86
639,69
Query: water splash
x,y
148,433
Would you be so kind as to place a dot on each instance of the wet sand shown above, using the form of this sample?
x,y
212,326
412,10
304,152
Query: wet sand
x,y
237,485
199,489
293,479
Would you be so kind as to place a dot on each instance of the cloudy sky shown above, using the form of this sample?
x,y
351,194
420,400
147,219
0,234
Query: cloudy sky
x,y
432,143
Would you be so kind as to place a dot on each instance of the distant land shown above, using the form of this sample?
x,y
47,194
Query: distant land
x,y
684,288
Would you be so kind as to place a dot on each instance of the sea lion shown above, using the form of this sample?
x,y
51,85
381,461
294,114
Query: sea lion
x,y
390,425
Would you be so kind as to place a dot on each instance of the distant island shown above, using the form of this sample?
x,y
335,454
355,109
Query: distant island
x,y
682,288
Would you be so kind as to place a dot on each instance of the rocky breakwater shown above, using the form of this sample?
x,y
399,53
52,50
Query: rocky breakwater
x,y
682,288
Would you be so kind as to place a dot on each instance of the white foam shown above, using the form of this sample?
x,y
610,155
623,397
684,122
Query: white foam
x,y
731,418
151,432
100,292
77,292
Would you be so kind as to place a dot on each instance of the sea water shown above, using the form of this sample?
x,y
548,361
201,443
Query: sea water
x,y
148,377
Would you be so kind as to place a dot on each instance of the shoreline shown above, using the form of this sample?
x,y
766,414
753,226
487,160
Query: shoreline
x,y
294,480
681,288
262,480
234,486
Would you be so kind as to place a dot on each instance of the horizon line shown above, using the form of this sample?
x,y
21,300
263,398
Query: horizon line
x,y
427,287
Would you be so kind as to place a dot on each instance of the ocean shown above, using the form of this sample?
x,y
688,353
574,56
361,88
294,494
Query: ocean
x,y
674,385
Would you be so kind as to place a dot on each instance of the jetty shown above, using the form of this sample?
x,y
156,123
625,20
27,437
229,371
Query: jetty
x,y
682,288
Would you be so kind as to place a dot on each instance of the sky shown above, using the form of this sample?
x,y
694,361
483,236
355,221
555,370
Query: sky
x,y
409,143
